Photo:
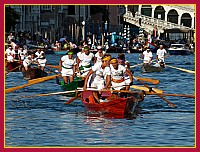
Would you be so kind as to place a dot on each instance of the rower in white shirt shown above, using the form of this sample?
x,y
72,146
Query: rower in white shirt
x,y
68,63
99,54
101,77
85,61
40,59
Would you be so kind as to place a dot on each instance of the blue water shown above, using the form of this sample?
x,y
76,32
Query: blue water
x,y
47,121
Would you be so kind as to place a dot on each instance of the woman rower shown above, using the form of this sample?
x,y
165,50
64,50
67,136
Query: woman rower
x,y
99,54
122,61
85,61
40,59
147,56
27,63
68,67
118,75
101,79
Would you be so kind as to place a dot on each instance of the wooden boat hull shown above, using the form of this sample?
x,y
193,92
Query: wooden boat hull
x,y
115,107
33,73
78,82
13,66
151,68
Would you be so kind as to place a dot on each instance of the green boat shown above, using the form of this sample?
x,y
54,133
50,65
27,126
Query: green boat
x,y
78,82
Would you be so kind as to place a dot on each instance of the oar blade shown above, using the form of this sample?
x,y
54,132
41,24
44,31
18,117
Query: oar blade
x,y
147,91
153,81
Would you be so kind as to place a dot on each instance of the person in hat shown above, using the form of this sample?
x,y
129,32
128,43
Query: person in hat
x,y
10,54
147,56
68,66
85,61
118,75
99,54
101,77
40,59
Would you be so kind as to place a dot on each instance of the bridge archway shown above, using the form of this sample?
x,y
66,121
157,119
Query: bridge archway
x,y
146,10
186,20
159,13
172,16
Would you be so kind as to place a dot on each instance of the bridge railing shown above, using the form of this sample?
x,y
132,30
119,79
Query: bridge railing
x,y
152,21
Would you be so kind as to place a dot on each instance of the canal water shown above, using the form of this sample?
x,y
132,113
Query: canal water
x,y
47,121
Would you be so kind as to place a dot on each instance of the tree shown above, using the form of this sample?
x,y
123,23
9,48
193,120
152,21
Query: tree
x,y
11,18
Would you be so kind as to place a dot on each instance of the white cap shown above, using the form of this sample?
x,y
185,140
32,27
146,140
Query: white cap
x,y
99,47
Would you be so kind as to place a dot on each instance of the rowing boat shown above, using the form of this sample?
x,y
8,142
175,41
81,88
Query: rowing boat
x,y
146,68
13,66
77,82
112,106
33,73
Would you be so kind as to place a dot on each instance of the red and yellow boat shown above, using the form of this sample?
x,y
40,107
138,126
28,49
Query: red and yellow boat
x,y
113,105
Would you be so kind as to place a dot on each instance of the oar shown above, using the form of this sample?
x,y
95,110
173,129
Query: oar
x,y
94,89
153,81
72,99
38,80
135,65
53,66
139,64
181,69
14,68
49,94
52,70
171,104
176,95
146,89
31,82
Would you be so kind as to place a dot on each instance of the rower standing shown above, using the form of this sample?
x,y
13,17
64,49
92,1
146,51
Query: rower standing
x,y
85,61
68,64
40,59
101,76
99,54
10,54
118,75
27,63
122,61
147,56
22,53
160,55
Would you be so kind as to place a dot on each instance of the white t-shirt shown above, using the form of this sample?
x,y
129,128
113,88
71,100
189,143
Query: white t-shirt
x,y
39,54
10,52
147,56
27,61
68,63
119,73
86,59
22,53
98,56
161,53
100,73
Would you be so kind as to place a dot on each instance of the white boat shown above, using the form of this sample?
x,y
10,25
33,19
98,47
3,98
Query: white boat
x,y
179,49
